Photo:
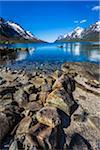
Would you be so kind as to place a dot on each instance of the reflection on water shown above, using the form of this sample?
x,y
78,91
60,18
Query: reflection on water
x,y
52,52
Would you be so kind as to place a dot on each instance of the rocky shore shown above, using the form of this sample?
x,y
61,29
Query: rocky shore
x,y
57,110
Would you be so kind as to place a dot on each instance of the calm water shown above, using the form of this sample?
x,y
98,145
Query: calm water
x,y
52,53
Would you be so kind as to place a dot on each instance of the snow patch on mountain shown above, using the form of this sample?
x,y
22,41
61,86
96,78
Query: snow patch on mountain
x,y
16,27
80,33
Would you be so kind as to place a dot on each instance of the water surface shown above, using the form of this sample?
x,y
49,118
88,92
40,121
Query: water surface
x,y
51,53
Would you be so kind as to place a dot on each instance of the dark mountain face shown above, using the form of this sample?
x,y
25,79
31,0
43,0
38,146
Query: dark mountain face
x,y
12,31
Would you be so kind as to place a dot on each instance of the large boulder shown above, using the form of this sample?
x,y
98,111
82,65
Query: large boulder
x,y
48,116
61,99
66,82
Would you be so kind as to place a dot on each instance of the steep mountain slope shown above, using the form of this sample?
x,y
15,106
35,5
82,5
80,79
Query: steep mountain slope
x,y
80,34
10,31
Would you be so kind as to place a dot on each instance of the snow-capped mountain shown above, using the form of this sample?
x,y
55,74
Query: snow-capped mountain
x,y
90,34
11,30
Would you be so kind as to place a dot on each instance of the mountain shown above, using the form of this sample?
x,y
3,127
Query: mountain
x,y
10,31
80,34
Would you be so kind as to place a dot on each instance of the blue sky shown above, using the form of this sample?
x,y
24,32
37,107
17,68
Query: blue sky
x,y
49,19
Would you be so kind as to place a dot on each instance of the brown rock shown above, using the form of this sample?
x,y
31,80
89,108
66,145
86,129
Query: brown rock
x,y
61,99
66,82
24,125
95,121
33,106
48,116
37,81
32,97
43,96
21,97
57,74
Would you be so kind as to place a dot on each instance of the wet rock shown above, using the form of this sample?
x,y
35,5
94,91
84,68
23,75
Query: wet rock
x,y
78,142
48,116
61,99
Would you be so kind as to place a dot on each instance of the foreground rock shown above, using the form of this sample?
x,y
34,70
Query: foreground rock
x,y
48,116
55,110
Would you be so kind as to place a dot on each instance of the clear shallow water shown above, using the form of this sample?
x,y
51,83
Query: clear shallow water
x,y
52,53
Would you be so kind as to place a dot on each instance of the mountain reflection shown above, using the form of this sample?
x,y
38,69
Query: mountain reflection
x,y
72,51
79,49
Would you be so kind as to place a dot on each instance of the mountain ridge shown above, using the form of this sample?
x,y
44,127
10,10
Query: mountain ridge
x,y
82,34
11,31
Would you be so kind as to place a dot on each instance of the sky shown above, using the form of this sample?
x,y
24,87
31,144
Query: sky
x,y
49,19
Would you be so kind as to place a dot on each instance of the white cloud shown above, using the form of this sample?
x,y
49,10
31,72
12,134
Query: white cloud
x,y
83,21
76,21
95,8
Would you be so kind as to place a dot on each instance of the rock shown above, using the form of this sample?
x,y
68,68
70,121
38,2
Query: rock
x,y
9,116
79,143
37,81
24,125
49,80
14,145
7,90
46,88
48,116
33,97
66,82
80,115
57,74
33,106
21,97
95,121
93,83
88,70
4,126
30,89
61,99
43,96
2,81
47,137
